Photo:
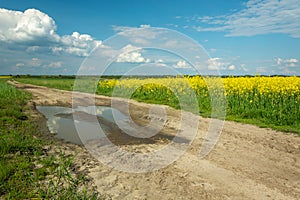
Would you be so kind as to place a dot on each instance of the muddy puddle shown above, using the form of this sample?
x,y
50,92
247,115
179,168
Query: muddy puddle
x,y
65,122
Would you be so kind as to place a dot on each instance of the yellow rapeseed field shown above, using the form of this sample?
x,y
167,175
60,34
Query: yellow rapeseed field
x,y
5,77
272,100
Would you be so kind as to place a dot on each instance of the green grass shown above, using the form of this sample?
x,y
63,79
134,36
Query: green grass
x,y
58,83
86,84
279,113
26,170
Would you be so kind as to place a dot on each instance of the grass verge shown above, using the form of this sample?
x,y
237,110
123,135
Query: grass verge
x,y
27,171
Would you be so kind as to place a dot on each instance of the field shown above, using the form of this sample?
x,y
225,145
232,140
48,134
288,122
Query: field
x,y
24,164
248,162
265,101
5,77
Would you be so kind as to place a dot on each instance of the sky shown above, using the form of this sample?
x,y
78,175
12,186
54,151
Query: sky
x,y
234,37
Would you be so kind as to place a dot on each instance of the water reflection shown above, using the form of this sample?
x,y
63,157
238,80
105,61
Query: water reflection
x,y
61,121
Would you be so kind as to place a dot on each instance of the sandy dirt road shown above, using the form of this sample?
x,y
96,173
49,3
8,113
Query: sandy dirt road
x,y
248,162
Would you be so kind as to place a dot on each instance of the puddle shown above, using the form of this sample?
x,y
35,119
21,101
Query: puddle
x,y
60,121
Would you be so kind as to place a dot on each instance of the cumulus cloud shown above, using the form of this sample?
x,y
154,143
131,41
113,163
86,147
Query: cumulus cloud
x,y
76,44
132,57
231,67
35,62
257,18
181,64
159,63
216,64
20,65
57,64
30,25
128,53
36,29
292,62
145,26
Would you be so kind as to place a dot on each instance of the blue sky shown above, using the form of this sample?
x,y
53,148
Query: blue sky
x,y
240,37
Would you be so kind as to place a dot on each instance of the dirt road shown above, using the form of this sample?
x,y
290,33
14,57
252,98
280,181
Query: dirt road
x,y
247,163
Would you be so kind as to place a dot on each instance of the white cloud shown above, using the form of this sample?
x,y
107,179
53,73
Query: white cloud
x,y
216,64
182,64
279,61
244,68
20,65
160,64
129,48
35,62
131,54
55,64
132,57
32,49
231,67
292,62
145,26
16,26
33,27
138,35
127,28
257,18
77,44
159,61
110,52
212,50
173,25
